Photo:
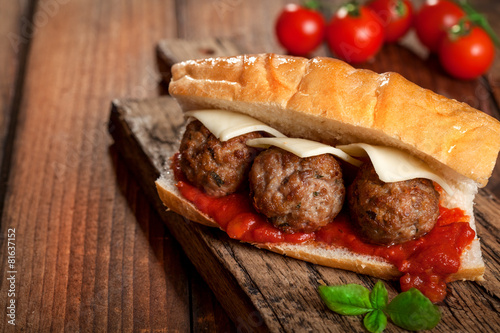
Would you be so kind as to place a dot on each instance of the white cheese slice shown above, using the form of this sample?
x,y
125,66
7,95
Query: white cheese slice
x,y
302,148
394,165
391,164
226,125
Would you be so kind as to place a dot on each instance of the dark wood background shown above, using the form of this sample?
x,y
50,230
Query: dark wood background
x,y
91,252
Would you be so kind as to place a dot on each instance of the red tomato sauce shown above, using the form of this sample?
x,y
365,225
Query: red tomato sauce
x,y
425,263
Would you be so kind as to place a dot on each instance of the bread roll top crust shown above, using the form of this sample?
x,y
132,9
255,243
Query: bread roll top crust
x,y
327,100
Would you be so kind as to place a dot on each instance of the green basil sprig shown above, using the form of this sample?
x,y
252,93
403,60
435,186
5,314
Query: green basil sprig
x,y
410,310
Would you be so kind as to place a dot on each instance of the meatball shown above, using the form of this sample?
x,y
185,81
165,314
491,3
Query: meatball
x,y
391,213
219,168
296,194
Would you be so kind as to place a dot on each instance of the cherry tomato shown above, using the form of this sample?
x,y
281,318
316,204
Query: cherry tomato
x,y
433,19
467,56
395,15
300,30
355,33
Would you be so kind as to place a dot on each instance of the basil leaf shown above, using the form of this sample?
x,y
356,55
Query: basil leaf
x,y
413,311
375,321
378,296
349,299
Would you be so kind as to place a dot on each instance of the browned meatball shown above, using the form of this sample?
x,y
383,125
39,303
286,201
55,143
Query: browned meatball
x,y
297,194
219,168
391,213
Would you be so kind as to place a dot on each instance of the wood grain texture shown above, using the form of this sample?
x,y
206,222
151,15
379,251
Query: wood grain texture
x,y
283,290
91,254
14,47
11,46
491,10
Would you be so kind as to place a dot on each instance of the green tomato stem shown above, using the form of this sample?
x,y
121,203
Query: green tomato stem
x,y
352,8
479,20
401,8
312,4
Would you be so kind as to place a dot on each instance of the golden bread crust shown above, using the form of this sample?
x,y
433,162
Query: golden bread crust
x,y
174,201
327,99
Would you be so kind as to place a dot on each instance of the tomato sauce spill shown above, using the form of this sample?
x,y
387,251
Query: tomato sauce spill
x,y
425,263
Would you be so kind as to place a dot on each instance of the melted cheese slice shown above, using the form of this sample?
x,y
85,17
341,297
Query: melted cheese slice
x,y
302,148
391,164
226,125
394,165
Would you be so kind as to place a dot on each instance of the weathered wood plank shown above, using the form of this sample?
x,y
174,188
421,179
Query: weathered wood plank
x,y
491,10
282,290
16,31
91,252
251,22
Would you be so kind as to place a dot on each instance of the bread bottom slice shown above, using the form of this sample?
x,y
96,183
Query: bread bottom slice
x,y
471,267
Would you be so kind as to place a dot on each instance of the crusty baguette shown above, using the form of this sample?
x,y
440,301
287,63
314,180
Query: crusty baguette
x,y
327,100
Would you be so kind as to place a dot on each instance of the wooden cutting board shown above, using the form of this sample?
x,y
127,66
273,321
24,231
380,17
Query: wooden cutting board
x,y
264,291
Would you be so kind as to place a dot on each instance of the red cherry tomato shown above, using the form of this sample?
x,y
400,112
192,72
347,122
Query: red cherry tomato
x,y
433,19
395,15
468,56
355,33
300,30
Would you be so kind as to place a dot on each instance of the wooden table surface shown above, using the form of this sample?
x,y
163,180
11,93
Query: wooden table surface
x,y
90,252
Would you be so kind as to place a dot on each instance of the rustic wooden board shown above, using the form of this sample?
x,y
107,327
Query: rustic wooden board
x,y
14,46
264,291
